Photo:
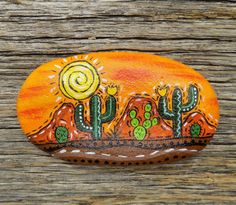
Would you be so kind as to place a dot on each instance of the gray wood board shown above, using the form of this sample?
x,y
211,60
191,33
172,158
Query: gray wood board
x,y
201,34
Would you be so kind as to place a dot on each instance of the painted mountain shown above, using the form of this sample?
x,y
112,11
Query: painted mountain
x,y
141,120
61,128
196,125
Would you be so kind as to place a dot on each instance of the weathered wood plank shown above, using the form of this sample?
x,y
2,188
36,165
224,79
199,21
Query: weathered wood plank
x,y
198,33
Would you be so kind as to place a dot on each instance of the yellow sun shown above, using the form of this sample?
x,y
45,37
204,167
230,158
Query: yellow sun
x,y
79,80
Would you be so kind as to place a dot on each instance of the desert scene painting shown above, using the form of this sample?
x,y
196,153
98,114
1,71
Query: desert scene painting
x,y
118,108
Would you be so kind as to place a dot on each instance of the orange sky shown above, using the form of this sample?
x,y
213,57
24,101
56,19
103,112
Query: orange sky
x,y
134,73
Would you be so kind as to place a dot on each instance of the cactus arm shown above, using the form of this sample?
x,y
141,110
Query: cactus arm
x,y
79,119
192,99
110,109
95,116
163,108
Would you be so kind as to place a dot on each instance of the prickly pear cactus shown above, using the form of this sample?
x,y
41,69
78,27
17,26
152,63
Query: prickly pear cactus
x,y
195,130
140,131
61,134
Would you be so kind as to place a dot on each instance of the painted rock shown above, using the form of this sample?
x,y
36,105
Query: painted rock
x,y
118,108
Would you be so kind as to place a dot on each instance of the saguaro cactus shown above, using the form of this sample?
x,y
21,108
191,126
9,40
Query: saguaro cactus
x,y
177,107
96,117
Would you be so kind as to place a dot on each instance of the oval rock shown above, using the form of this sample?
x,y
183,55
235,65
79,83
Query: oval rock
x,y
118,108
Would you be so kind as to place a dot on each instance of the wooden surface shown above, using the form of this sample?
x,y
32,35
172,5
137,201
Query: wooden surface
x,y
201,34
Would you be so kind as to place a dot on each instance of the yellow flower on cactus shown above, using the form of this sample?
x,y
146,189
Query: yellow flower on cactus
x,y
112,89
162,91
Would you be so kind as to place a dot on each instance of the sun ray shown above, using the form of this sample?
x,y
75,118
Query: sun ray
x,y
102,87
51,91
100,68
95,61
58,99
64,59
57,66
51,76
104,80
85,58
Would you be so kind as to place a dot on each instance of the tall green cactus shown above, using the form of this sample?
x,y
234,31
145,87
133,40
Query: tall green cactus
x,y
177,107
96,117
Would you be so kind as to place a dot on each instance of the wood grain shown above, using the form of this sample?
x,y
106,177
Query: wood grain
x,y
201,34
